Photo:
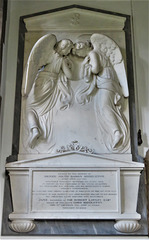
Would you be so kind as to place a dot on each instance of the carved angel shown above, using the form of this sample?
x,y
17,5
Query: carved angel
x,y
45,82
104,73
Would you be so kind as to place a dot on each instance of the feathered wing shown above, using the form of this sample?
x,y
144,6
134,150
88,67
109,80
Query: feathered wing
x,y
111,50
41,54
106,47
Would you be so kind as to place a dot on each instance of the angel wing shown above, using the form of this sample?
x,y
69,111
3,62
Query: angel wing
x,y
41,54
111,50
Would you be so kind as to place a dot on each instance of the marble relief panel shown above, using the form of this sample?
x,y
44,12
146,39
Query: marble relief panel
x,y
74,92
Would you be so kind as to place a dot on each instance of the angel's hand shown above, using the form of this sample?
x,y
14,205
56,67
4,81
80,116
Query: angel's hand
x,y
68,63
67,67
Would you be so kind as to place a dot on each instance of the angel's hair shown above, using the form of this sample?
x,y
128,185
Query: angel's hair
x,y
58,44
87,45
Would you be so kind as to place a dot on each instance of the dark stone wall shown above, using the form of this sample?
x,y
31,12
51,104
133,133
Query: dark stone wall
x,y
147,183
3,16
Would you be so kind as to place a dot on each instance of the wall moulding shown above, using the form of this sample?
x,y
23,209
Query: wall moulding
x,y
75,19
75,148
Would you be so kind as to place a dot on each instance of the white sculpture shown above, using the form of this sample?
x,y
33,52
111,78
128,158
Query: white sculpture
x,y
74,95
103,69
48,81
45,80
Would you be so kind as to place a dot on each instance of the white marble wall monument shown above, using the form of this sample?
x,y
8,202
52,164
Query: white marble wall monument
x,y
75,159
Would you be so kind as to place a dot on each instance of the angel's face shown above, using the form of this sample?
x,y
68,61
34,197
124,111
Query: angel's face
x,y
80,49
64,47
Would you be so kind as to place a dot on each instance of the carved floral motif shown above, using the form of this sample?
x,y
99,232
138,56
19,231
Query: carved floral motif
x,y
75,146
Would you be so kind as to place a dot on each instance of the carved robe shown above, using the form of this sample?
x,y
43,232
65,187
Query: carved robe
x,y
110,118
50,86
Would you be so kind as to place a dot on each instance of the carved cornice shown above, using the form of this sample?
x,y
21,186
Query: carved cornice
x,y
80,19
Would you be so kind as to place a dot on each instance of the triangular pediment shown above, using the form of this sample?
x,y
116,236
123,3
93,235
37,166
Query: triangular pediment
x,y
75,159
74,18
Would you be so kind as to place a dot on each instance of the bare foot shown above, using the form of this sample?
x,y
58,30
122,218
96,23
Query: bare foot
x,y
35,135
117,139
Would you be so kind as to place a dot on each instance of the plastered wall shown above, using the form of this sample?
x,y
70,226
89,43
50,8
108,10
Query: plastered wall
x,y
140,18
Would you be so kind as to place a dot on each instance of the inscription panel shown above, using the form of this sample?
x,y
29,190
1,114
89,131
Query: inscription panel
x,y
72,191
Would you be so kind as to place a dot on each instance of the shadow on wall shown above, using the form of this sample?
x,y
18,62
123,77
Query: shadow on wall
x,y
142,97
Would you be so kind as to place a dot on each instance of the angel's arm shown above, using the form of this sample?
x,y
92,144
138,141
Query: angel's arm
x,y
67,67
95,62
90,65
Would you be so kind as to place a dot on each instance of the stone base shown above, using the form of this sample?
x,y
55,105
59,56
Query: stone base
x,y
127,226
124,226
105,181
22,226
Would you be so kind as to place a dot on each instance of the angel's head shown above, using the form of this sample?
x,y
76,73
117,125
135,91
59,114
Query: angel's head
x,y
64,47
82,49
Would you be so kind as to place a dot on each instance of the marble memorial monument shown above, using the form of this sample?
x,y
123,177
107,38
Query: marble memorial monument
x,y
75,159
